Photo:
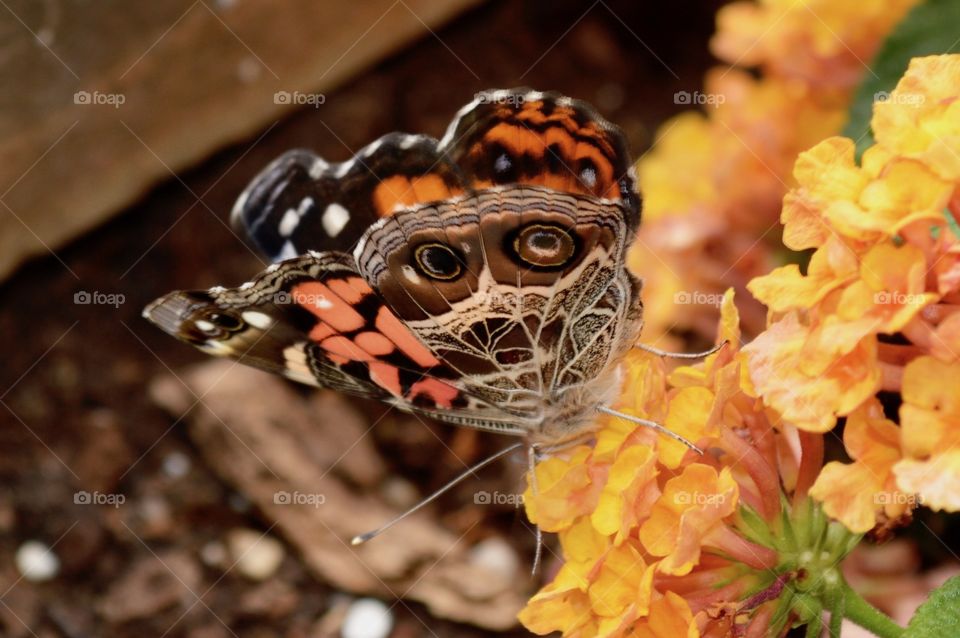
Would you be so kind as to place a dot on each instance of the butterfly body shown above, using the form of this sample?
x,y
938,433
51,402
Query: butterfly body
x,y
487,290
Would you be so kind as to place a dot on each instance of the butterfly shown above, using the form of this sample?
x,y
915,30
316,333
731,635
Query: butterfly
x,y
478,279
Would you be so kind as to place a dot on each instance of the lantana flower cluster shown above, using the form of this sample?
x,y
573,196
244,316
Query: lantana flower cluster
x,y
871,330
715,178
661,541
747,538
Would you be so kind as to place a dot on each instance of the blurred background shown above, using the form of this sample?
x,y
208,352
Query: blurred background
x,y
139,482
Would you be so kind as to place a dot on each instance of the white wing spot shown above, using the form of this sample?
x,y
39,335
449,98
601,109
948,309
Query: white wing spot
x,y
257,319
335,217
305,204
287,251
344,168
410,273
372,148
217,348
205,325
289,223
589,177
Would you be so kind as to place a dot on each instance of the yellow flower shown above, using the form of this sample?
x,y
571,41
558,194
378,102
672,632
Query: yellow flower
x,y
565,490
688,514
810,399
858,493
923,121
877,307
930,418
631,488
634,510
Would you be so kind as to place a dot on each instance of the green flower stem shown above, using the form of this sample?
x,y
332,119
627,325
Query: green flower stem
x,y
858,610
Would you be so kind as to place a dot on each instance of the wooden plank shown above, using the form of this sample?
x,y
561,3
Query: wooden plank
x,y
100,101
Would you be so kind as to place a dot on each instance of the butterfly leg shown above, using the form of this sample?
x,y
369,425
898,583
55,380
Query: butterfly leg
x,y
534,489
653,425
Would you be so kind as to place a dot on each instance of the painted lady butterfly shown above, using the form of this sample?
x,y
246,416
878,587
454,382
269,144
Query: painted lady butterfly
x,y
486,286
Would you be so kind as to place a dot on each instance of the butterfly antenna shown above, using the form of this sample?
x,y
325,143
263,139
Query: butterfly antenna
x,y
681,355
653,425
534,488
363,538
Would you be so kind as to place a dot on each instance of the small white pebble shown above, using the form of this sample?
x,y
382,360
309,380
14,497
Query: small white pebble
x,y
214,554
257,556
176,465
367,618
37,562
497,556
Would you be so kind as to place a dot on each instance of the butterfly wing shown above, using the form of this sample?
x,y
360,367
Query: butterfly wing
x,y
315,320
301,203
489,284
520,290
520,136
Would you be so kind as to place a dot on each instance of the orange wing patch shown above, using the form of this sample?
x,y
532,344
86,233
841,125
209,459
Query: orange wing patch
x,y
575,158
346,336
400,191
440,393
390,326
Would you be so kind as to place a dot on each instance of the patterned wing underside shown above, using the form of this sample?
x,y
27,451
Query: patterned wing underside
x,y
507,344
520,337
301,202
519,136
315,320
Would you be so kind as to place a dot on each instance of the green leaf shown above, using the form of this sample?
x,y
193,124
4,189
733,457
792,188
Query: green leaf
x,y
939,617
928,29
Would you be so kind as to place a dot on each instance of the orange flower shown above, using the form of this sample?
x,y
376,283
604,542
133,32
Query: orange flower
x,y
656,538
689,516
878,299
810,399
713,183
821,42
859,493
923,123
930,417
